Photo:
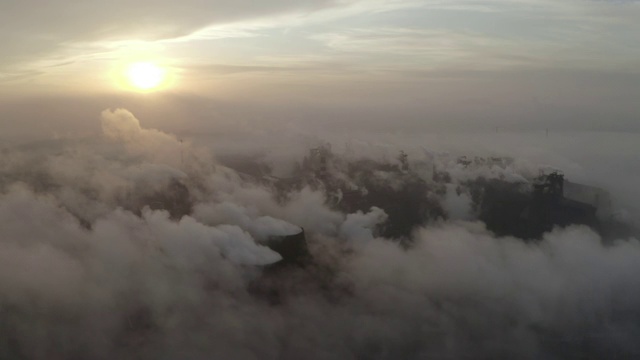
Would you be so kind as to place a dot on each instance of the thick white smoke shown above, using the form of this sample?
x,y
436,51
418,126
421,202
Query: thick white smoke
x,y
95,264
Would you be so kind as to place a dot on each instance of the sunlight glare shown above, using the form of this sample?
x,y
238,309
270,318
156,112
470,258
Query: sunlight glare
x,y
145,75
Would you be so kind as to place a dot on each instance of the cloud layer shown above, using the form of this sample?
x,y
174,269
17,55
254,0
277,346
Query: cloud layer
x,y
90,269
37,26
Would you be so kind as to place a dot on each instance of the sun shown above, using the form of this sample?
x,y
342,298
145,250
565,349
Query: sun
x,y
145,76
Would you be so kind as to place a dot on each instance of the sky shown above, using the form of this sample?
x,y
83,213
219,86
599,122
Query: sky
x,y
420,65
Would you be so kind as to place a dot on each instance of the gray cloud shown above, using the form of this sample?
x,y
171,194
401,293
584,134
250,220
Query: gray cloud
x,y
31,28
126,284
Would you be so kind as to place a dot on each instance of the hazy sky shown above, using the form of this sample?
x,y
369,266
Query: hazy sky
x,y
429,64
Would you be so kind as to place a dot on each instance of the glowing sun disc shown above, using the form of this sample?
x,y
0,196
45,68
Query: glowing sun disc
x,y
145,76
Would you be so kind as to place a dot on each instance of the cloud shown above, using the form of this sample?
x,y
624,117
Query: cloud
x,y
33,28
89,269
535,295
432,49
442,48
358,227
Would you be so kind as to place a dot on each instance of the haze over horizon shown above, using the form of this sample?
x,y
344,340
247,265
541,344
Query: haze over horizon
x,y
425,65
